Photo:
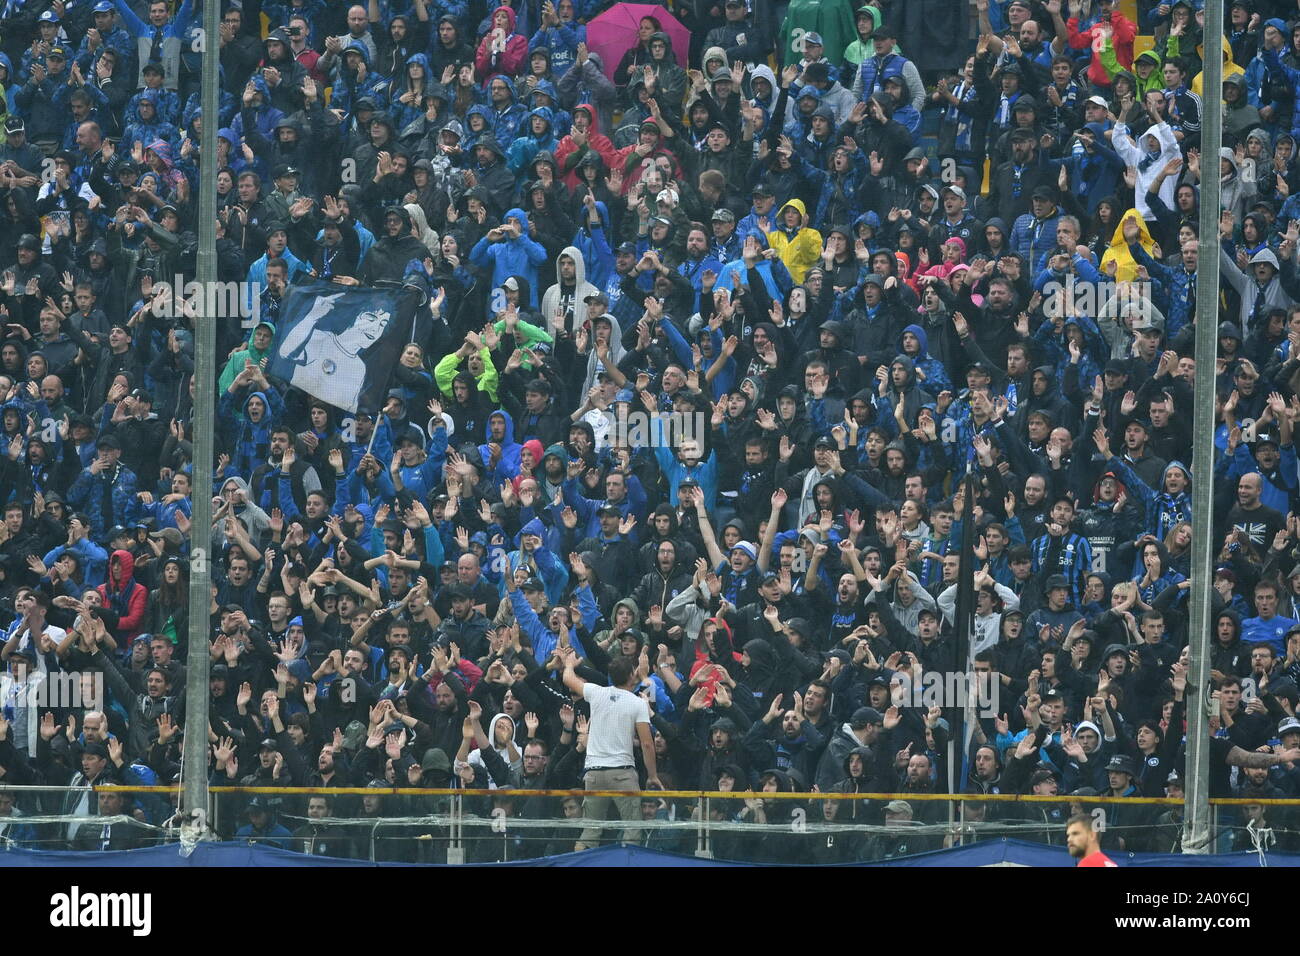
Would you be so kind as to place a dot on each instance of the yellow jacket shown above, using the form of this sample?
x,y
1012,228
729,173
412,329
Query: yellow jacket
x,y
800,251
1230,68
1117,252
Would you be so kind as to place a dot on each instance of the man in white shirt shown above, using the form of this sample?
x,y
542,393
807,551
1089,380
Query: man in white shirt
x,y
618,717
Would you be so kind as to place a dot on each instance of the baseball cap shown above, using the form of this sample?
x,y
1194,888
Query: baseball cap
x,y
898,806
812,38
724,215
1043,192
955,190
104,6
1288,726
170,535
865,717
626,248
534,584
14,124
49,16
1097,101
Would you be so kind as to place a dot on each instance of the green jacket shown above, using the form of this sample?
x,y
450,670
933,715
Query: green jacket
x,y
448,367
831,18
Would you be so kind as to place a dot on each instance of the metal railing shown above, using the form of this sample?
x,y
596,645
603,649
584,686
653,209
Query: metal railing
x,y
466,826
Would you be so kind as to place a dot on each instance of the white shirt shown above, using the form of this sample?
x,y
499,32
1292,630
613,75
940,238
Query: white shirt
x,y
614,716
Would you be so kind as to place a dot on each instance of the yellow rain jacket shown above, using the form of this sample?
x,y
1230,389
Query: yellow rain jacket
x,y
1230,68
1117,252
799,250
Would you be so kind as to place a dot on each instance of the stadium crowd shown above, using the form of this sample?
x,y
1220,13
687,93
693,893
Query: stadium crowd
x,y
782,231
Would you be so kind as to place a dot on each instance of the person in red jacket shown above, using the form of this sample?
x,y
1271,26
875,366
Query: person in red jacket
x,y
504,52
584,136
126,596
1112,23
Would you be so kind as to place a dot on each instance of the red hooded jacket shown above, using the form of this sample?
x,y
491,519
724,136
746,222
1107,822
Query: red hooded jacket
x,y
509,62
128,597
568,153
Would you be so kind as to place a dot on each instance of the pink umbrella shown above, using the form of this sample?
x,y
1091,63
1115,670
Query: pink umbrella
x,y
614,32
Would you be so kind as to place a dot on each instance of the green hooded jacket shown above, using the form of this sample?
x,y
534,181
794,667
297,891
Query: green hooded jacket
x,y
236,363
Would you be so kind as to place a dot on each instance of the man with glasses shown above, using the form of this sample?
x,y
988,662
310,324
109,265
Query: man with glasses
x,y
240,52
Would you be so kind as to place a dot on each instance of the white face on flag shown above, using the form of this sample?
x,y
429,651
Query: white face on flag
x,y
370,325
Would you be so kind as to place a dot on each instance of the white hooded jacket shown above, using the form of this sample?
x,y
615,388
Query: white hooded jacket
x,y
581,289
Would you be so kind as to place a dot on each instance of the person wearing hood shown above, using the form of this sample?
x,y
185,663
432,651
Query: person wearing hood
x,y
249,430
1267,285
930,372
507,115
585,84
255,110
468,389
1235,193
866,19
1093,166
500,741
388,258
1240,116
500,451
1263,86
496,183
797,243
502,51
150,126
569,296
543,92
508,250
536,136
125,596
1118,261
1156,148
356,79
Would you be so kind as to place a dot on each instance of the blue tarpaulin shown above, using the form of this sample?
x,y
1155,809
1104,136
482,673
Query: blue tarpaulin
x,y
988,853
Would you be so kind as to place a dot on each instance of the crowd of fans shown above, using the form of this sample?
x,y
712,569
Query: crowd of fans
x,y
784,233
